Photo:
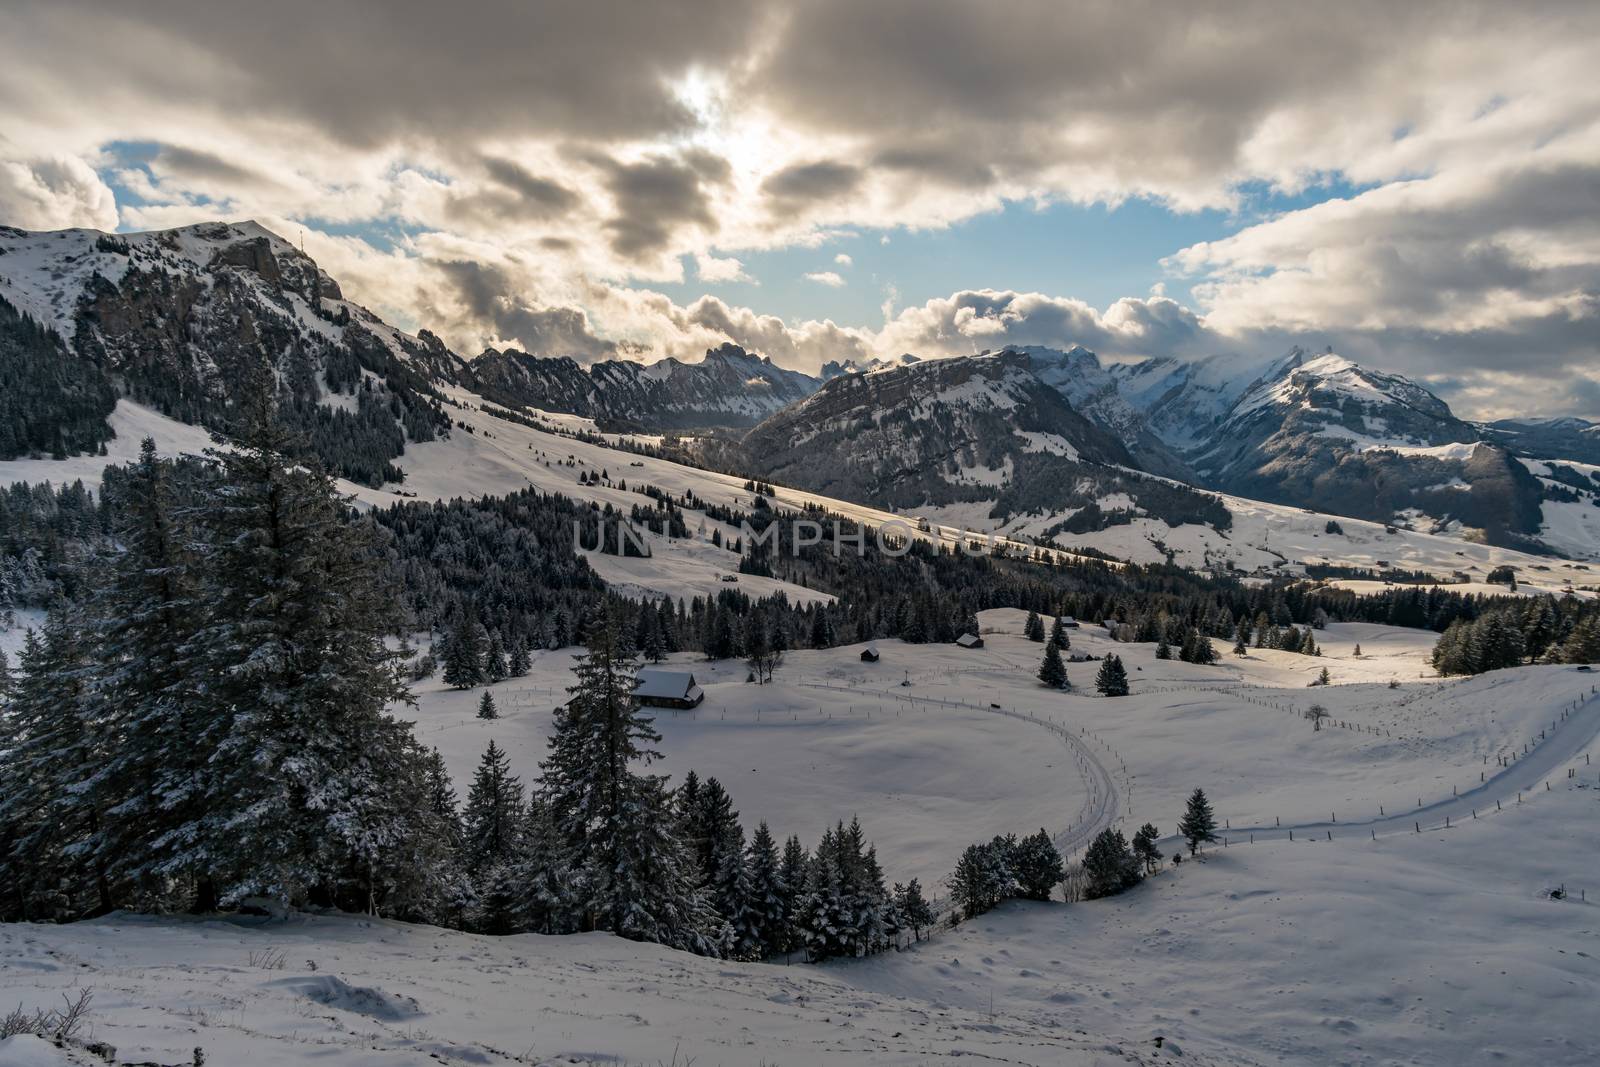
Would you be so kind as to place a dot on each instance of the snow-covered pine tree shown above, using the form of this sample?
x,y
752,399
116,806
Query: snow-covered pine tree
x,y
1109,865
486,707
730,892
293,663
463,656
767,896
618,826
1163,650
1036,866
1198,823
47,756
494,659
915,913
520,662
709,823
823,923
552,899
8,681
796,865
1053,672
1112,679
491,823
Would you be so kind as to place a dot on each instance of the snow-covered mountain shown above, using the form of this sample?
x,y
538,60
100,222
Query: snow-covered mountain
x,y
975,430
730,387
1094,392
1184,401
1566,437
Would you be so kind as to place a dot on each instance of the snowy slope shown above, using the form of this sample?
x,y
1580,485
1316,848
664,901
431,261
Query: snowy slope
x,y
1433,948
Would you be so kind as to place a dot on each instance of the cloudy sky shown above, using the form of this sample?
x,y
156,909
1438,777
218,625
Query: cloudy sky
x,y
1417,185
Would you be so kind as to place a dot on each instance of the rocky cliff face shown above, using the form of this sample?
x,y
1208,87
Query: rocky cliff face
x,y
175,318
729,388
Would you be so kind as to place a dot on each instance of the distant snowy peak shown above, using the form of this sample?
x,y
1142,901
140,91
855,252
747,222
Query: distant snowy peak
x,y
729,387
1564,437
1184,401
1329,394
1077,374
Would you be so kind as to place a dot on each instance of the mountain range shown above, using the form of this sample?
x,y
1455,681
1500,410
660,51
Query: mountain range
x,y
1058,437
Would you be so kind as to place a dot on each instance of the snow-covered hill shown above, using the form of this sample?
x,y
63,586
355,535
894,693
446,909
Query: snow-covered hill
x,y
1359,942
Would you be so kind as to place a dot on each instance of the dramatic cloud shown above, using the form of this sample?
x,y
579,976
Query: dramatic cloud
x,y
51,194
524,172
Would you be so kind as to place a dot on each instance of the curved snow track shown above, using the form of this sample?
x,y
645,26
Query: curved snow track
x,y
1565,742
1102,806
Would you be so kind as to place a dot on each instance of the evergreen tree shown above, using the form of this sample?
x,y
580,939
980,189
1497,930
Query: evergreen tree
x,y
1052,672
141,615
1112,679
48,755
520,663
1163,650
730,892
1241,643
8,681
768,895
1037,867
1109,866
1198,823
795,870
494,660
617,825
982,878
1058,635
301,755
486,708
915,912
1033,628
1144,848
463,656
492,821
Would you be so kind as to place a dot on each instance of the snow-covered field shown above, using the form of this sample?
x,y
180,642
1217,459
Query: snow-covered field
x,y
1382,945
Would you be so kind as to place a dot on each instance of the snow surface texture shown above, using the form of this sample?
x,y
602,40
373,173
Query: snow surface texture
x,y
1381,945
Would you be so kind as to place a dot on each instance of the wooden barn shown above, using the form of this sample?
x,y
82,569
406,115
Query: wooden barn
x,y
660,688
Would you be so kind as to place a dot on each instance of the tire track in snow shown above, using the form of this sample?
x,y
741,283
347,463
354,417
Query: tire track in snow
x,y
1103,806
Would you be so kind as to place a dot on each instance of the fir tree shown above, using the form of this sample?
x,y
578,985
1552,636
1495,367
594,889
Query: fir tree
x,y
486,708
796,865
494,660
767,896
1144,848
1112,679
491,823
1033,628
1058,635
520,663
1109,866
142,614
301,753
8,681
617,825
1198,823
1037,866
915,912
1163,650
1052,672
463,656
